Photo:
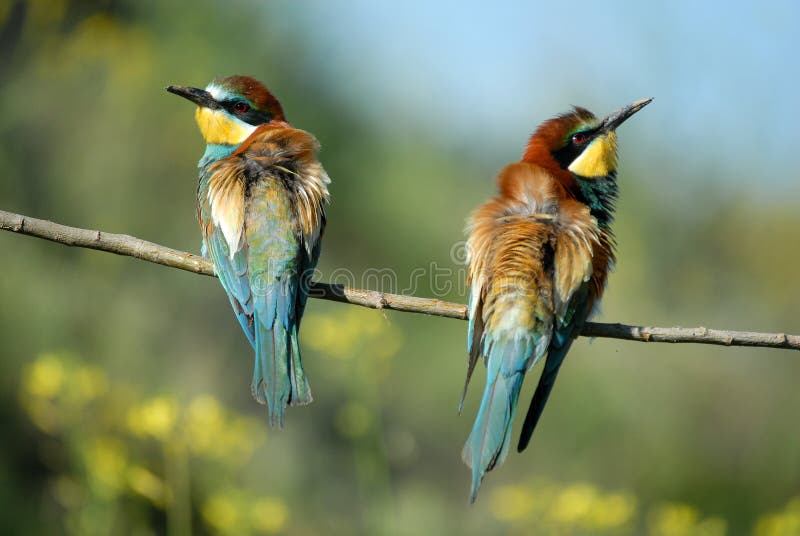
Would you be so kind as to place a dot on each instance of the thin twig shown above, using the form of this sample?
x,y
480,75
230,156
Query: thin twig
x,y
141,249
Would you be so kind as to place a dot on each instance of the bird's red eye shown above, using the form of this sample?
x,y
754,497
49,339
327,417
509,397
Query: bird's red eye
x,y
241,107
579,138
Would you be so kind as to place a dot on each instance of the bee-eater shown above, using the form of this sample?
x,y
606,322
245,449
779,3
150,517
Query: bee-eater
x,y
261,205
538,254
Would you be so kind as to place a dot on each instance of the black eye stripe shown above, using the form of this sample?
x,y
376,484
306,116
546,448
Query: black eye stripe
x,y
230,106
251,116
571,149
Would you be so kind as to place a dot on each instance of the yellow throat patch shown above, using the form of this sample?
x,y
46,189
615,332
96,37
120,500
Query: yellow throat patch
x,y
597,160
219,128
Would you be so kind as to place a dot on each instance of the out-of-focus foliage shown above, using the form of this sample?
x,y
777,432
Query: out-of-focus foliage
x,y
123,459
119,457
124,386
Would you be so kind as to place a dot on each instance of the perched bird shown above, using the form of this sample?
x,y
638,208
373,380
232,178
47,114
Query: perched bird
x,y
539,254
261,205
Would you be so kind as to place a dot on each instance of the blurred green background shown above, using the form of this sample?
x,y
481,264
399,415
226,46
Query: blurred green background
x,y
124,386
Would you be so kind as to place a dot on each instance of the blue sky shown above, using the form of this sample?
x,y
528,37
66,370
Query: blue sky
x,y
724,74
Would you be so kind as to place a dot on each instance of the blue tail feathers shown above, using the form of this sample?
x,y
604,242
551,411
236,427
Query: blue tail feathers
x,y
488,443
490,438
278,376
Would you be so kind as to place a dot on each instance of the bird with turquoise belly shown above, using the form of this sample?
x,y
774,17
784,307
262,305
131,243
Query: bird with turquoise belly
x,y
261,203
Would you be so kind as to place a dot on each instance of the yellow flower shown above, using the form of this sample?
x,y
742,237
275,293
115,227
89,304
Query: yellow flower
x,y
212,431
785,523
147,485
778,525
204,424
156,418
673,519
221,512
574,503
45,377
612,511
269,515
106,459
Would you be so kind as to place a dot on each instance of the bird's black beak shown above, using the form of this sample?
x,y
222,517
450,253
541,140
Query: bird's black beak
x,y
614,120
200,97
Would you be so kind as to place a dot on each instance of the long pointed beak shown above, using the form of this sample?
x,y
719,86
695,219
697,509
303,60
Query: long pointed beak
x,y
198,96
620,116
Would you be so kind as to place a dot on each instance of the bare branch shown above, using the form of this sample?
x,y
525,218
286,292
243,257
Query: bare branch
x,y
719,337
141,249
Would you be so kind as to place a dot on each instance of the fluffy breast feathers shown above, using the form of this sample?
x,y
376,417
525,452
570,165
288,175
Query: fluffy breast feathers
x,y
521,237
278,153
